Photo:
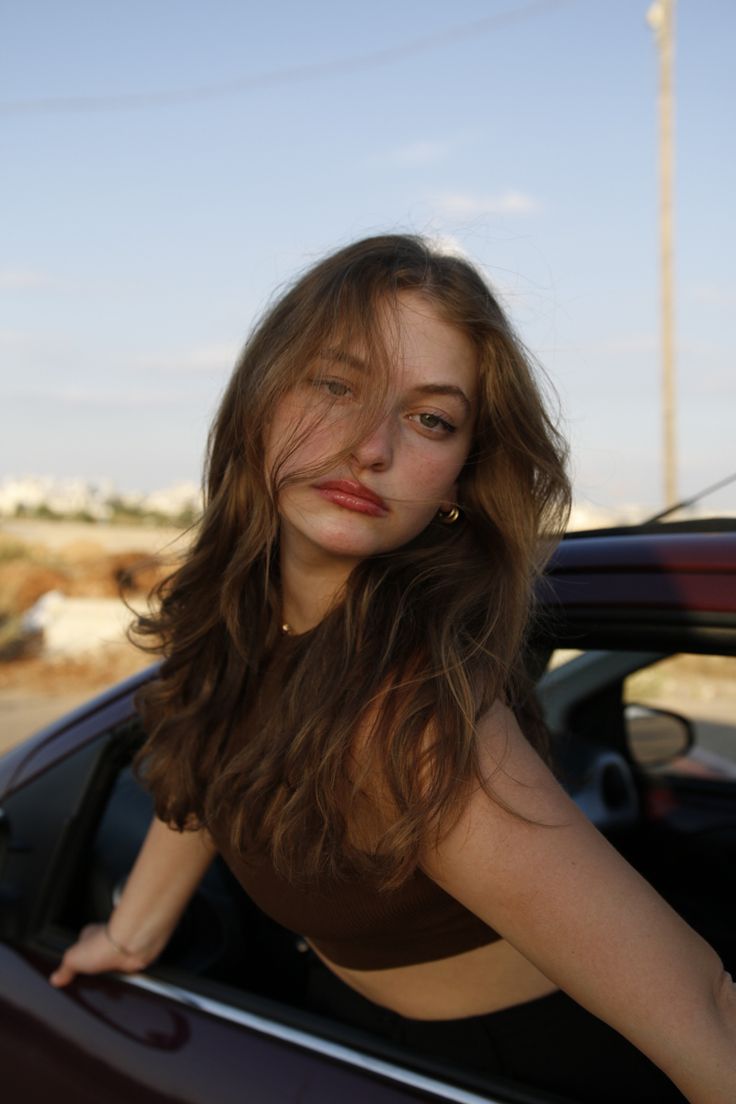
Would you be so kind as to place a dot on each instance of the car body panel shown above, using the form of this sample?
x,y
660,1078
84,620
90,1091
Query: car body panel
x,y
132,1037
169,1038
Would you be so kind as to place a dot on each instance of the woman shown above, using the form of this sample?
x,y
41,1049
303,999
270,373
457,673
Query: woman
x,y
338,707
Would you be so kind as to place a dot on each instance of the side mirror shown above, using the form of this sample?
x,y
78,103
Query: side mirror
x,y
655,737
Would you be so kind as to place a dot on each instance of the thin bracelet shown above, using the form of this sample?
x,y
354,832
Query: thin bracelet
x,y
118,946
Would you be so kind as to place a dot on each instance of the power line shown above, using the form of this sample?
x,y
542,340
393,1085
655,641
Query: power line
x,y
293,74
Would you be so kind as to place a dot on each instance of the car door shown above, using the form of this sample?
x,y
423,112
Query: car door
x,y
200,1025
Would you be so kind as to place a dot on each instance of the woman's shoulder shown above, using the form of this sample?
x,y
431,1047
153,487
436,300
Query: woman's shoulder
x,y
515,794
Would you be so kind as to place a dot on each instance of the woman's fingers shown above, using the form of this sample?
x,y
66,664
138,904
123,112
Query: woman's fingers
x,y
62,975
91,954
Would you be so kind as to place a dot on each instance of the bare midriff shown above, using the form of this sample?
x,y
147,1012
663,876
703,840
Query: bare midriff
x,y
486,979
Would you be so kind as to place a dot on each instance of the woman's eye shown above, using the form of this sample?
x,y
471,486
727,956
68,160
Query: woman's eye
x,y
336,388
435,423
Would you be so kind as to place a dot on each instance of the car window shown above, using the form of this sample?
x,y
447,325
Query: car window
x,y
560,656
701,689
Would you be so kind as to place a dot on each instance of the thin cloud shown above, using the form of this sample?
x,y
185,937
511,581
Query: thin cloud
x,y
621,345
22,279
448,245
90,397
687,350
218,357
421,153
464,205
25,343
715,295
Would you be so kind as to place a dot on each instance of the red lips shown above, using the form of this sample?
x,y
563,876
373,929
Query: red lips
x,y
353,496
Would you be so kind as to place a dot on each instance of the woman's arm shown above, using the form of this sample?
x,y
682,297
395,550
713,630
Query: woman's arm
x,y
168,869
567,900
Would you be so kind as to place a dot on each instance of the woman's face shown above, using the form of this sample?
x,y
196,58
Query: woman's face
x,y
400,473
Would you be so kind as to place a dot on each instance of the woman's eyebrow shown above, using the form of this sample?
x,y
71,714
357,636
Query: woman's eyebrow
x,y
450,389
341,357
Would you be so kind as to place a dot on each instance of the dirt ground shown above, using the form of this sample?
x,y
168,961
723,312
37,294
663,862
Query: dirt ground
x,y
78,560
35,692
57,535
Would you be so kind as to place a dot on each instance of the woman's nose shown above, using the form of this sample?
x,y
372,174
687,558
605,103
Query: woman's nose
x,y
376,450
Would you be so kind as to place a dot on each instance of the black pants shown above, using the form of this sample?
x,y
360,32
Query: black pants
x,y
550,1043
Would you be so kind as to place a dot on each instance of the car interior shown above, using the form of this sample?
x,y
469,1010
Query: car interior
x,y
678,829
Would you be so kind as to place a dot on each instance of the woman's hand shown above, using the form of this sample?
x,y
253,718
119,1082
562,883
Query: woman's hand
x,y
168,869
96,952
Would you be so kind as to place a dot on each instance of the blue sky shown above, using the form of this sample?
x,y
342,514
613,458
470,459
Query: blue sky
x,y
168,164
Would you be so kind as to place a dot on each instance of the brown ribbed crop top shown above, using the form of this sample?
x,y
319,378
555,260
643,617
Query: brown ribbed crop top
x,y
353,924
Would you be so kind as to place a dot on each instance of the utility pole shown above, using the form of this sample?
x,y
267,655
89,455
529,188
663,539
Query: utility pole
x,y
661,18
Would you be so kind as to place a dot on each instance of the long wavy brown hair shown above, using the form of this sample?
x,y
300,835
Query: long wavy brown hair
x,y
419,643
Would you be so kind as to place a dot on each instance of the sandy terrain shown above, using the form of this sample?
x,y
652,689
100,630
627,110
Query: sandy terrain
x,y
66,577
22,714
56,535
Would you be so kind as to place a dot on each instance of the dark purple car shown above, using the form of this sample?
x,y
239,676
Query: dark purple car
x,y
636,656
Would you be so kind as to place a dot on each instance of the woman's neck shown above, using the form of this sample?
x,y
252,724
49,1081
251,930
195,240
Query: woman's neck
x,y
310,588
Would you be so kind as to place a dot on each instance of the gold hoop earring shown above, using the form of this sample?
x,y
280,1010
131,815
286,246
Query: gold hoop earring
x,y
448,517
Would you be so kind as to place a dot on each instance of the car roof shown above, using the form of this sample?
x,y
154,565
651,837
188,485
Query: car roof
x,y
663,586
665,549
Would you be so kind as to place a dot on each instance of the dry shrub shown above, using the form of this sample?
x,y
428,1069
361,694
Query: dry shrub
x,y
114,574
22,582
81,568
78,552
91,573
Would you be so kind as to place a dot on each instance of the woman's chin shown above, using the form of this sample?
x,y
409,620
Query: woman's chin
x,y
346,539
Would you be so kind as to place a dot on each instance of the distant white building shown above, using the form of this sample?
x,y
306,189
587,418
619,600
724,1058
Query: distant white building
x,y
173,501
62,496
70,497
